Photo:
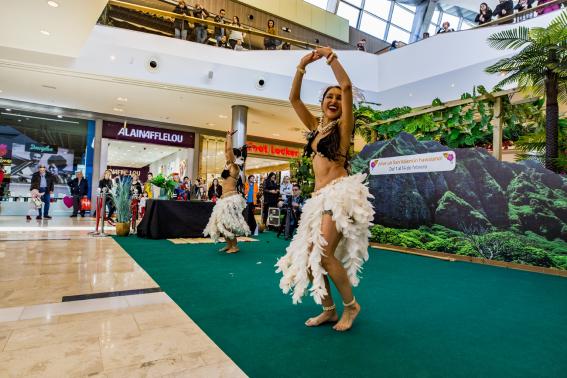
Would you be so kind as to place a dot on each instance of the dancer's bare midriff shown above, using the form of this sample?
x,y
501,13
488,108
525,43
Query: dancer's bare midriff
x,y
326,171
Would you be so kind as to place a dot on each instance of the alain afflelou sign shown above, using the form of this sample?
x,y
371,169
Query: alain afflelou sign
x,y
146,134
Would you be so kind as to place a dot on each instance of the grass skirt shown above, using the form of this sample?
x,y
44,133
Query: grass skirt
x,y
347,198
227,219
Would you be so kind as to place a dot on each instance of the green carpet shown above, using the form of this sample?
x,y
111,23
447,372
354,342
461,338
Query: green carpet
x,y
420,317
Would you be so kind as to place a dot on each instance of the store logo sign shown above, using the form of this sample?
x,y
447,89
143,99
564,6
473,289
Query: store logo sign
x,y
43,148
272,150
430,162
146,134
151,135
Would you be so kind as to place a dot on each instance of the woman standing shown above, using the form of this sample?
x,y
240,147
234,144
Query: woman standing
x,y
227,219
484,15
270,43
235,35
332,237
105,185
136,185
215,190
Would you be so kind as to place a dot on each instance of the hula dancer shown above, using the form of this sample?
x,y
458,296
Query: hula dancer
x,y
227,219
332,237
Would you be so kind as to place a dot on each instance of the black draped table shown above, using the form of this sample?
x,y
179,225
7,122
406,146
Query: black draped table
x,y
168,219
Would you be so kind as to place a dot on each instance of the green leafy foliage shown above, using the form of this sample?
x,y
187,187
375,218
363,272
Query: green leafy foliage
x,y
122,201
528,248
302,172
166,183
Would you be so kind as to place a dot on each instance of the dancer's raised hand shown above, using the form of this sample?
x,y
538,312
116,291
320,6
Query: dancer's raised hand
x,y
309,58
323,51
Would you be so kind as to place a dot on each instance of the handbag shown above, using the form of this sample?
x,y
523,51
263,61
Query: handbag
x,y
85,204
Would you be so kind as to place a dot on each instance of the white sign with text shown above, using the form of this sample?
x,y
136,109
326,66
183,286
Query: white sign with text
x,y
430,162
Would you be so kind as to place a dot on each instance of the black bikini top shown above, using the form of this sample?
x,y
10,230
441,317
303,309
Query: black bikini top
x,y
328,146
226,172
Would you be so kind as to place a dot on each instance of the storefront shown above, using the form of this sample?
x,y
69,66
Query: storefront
x,y
29,139
129,148
262,158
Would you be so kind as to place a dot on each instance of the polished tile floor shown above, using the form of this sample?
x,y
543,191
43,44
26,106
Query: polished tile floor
x,y
139,335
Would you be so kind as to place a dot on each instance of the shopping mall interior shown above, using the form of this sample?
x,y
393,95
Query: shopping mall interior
x,y
427,214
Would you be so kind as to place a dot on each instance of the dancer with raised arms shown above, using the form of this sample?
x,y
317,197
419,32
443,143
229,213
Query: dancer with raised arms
x,y
227,219
332,237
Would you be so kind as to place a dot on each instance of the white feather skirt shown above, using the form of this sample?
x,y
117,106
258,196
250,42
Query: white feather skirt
x,y
348,199
227,219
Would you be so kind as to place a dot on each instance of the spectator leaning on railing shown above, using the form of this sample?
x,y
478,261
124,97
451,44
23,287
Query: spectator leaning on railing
x,y
504,9
484,15
201,34
446,28
181,26
270,43
220,31
524,5
548,9
236,37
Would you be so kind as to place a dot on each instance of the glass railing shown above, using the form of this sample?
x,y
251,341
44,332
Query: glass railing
x,y
513,18
161,22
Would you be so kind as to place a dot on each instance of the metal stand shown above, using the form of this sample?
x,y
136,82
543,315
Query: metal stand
x,y
100,216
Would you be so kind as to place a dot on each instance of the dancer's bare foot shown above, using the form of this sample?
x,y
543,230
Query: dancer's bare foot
x,y
349,314
233,250
324,317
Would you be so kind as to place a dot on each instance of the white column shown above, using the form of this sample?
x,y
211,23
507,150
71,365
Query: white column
x,y
239,124
96,163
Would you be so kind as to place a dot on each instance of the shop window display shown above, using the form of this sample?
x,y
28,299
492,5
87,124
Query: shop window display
x,y
30,139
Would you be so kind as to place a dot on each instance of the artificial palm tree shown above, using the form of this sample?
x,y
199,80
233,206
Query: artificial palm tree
x,y
540,69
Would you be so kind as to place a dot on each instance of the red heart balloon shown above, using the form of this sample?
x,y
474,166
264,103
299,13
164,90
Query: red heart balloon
x,y
68,201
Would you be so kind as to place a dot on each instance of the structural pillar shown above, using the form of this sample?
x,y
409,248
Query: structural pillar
x,y
97,147
239,124
497,129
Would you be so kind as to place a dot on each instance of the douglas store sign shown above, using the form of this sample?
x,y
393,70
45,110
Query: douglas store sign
x,y
146,134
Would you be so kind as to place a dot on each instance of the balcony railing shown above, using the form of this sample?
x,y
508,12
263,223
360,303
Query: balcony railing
x,y
157,21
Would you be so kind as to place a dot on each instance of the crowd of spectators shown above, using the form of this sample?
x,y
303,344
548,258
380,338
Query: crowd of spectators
x,y
506,8
223,37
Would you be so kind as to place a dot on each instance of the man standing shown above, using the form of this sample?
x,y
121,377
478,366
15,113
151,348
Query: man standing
x,y
79,189
43,182
200,29
251,194
220,31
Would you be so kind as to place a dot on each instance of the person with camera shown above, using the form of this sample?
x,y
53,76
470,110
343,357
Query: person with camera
x,y
79,189
271,194
292,213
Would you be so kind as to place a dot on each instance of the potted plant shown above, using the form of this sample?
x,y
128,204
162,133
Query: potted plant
x,y
166,185
122,201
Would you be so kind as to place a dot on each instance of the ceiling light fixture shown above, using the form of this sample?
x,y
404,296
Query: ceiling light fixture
x,y
453,85
34,117
44,32
52,3
59,116
118,110
112,57
123,99
276,134
8,110
223,116
211,124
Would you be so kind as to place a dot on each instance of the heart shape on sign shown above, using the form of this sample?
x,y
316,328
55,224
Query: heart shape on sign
x,y
373,164
450,157
68,201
